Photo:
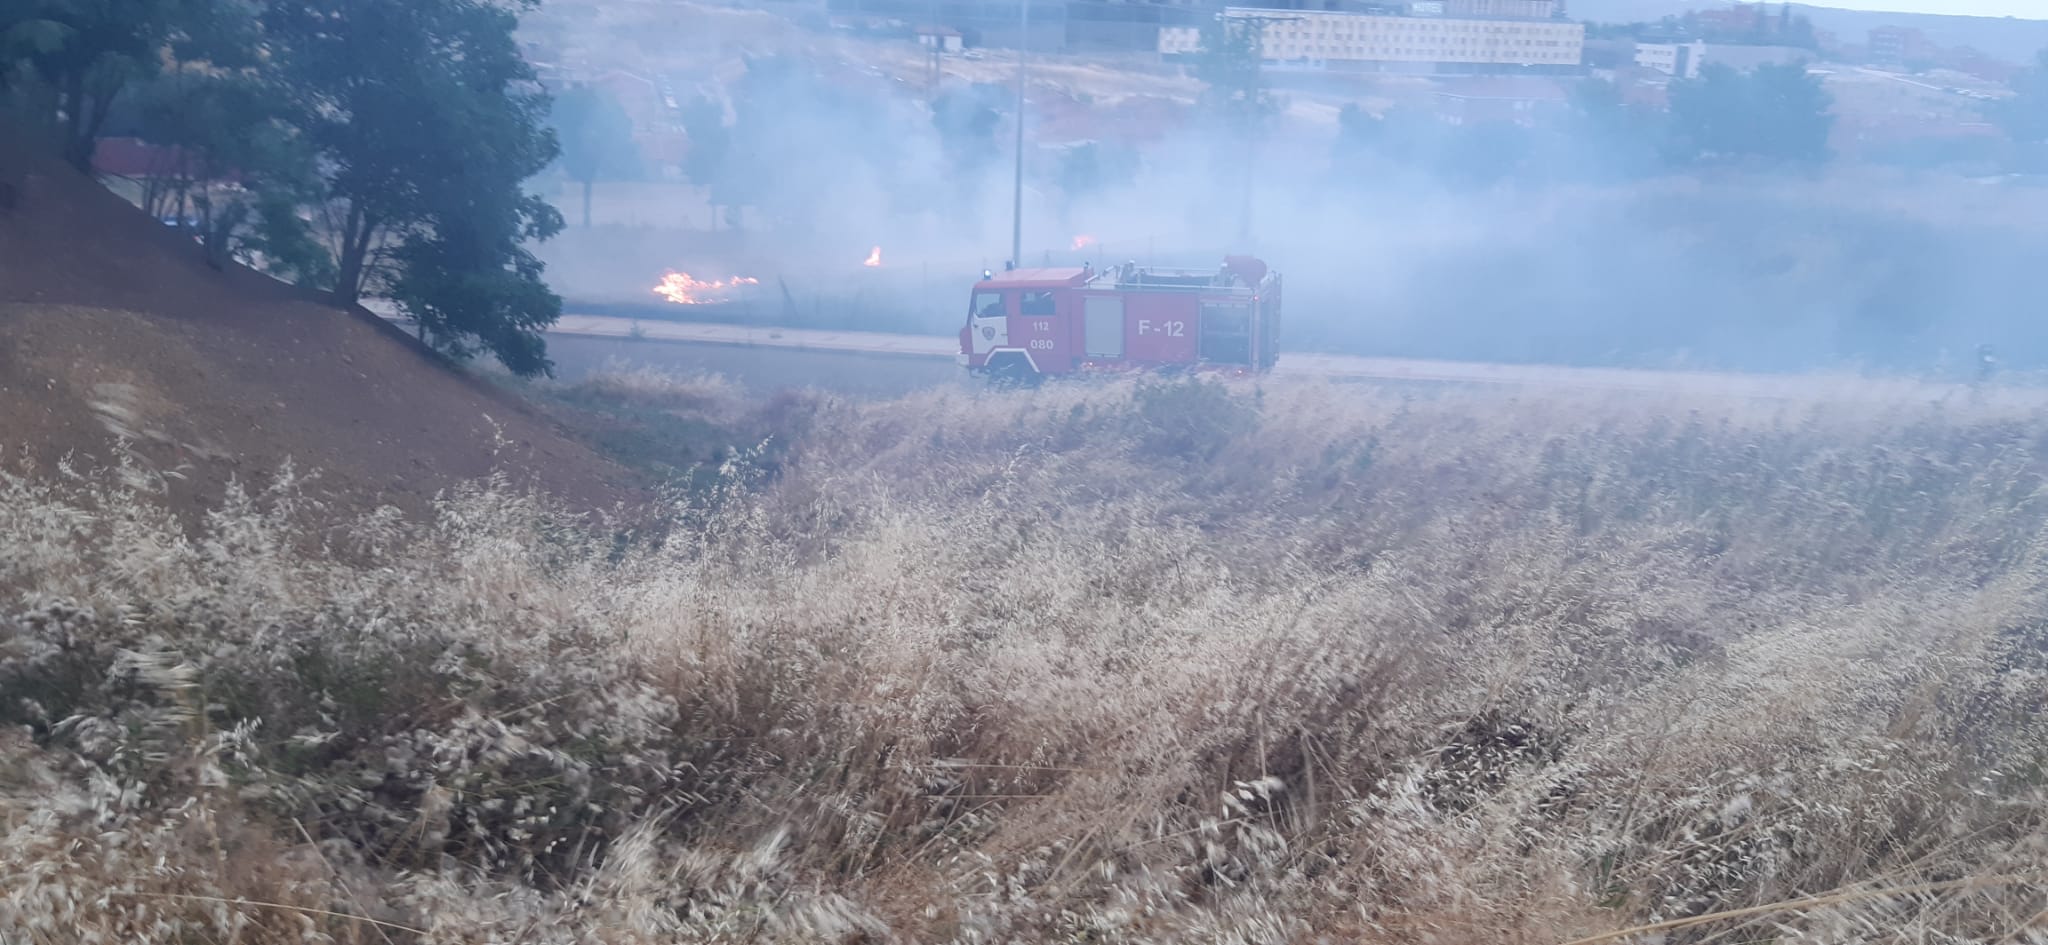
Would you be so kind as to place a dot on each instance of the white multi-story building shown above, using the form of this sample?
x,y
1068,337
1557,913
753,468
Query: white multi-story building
x,y
1519,9
1320,37
1672,59
1685,60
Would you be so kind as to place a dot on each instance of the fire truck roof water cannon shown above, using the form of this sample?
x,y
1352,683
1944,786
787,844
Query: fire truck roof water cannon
x,y
1027,324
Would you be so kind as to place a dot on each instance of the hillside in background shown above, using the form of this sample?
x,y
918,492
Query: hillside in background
x,y
2001,37
114,336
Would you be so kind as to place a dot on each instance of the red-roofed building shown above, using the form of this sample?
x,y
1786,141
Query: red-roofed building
x,y
1741,18
137,159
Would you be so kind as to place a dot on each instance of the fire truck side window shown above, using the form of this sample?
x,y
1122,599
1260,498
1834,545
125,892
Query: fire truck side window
x,y
1037,303
988,305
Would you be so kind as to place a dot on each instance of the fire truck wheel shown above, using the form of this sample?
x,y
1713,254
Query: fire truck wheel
x,y
1012,370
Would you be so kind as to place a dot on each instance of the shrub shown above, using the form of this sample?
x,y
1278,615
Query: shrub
x,y
1188,419
981,669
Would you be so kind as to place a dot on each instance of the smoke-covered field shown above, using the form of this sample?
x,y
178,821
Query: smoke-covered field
x,y
1562,237
1154,663
1563,260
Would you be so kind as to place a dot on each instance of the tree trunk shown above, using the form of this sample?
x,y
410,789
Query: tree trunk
x,y
77,147
154,194
356,236
217,228
102,96
586,203
86,106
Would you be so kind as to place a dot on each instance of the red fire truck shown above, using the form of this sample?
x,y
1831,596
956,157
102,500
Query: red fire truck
x,y
1025,324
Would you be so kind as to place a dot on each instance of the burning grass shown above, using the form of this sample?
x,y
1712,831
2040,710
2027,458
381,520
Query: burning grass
x,y
1151,663
682,288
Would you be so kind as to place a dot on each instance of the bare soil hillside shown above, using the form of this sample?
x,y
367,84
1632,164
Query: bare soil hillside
x,y
113,328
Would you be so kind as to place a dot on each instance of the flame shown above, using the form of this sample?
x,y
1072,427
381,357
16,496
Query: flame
x,y
1083,242
685,289
874,258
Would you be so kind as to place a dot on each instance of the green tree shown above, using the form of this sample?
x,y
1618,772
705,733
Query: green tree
x,y
1612,136
1400,136
188,75
472,284
597,139
1484,154
2024,116
797,137
83,54
428,121
241,170
1092,168
966,121
1776,114
1229,67
1234,95
710,153
25,39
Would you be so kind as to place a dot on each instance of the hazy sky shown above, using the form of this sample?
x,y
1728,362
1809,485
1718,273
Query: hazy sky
x,y
2030,9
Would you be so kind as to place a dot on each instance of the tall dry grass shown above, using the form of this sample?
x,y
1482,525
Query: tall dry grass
x,y
1135,664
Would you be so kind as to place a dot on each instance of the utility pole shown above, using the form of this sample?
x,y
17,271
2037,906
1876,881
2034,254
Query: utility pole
x,y
1017,197
1247,117
935,70
1244,213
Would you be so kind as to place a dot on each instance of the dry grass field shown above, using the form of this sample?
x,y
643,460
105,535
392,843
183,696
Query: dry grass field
x,y
1147,663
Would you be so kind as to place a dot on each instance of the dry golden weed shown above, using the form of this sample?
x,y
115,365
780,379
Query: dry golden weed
x,y
1138,663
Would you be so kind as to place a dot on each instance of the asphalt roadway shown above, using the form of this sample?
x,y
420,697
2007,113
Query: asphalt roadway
x,y
877,364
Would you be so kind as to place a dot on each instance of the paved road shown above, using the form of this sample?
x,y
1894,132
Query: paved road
x,y
922,359
758,368
858,342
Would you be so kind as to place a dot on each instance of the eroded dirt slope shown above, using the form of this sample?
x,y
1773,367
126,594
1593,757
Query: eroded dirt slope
x,y
112,327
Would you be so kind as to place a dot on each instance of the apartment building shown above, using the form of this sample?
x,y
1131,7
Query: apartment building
x,y
1356,40
1513,9
1897,45
1672,59
1685,60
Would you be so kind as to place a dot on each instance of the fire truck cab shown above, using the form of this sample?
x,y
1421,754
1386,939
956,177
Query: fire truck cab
x,y
1024,324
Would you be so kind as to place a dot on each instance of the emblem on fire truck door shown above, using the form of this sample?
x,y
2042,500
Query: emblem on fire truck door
x,y
988,333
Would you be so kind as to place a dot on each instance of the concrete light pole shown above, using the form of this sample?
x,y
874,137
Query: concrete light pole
x,y
1017,196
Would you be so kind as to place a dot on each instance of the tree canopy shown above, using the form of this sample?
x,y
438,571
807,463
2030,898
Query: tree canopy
x,y
1783,29
794,139
2024,116
966,120
1775,114
1230,68
710,152
1093,167
226,126
1595,135
83,54
354,145
597,138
